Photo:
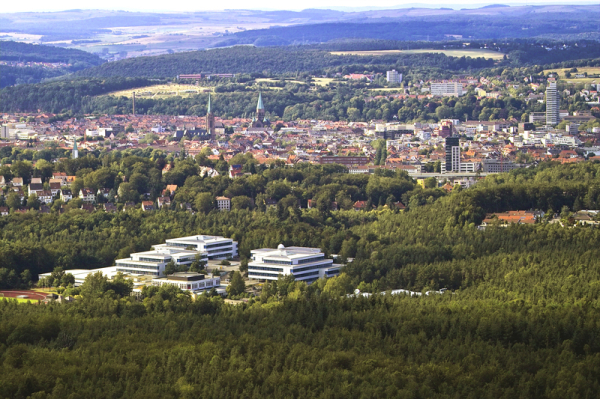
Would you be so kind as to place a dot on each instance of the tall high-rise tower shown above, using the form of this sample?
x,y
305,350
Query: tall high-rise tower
x,y
75,153
210,121
452,154
552,103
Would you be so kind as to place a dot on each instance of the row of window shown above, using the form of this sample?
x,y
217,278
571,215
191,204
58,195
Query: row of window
x,y
137,272
219,244
303,275
277,262
151,260
220,250
297,270
258,275
180,245
301,261
137,266
269,269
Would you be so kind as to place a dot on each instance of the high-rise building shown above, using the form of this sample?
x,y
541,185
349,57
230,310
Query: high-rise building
x,y
210,121
75,154
393,76
552,103
452,154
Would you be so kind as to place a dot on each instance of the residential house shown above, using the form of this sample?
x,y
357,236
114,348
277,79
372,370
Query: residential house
x,y
36,180
163,201
147,205
87,195
17,181
45,196
66,195
55,188
108,207
35,188
170,190
4,211
62,176
70,180
104,192
88,207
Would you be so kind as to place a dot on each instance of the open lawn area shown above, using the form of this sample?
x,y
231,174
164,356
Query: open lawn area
x,y
474,53
163,91
589,70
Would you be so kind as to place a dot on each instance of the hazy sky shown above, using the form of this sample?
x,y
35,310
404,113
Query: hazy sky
x,y
142,5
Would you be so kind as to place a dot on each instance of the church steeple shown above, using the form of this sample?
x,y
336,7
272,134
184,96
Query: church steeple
x,y
208,103
260,105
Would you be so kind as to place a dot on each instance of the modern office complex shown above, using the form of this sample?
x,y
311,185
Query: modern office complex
x,y
189,281
214,247
552,103
153,262
305,264
452,154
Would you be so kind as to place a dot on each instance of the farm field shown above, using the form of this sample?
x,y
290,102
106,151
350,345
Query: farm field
x,y
474,53
322,81
573,79
163,91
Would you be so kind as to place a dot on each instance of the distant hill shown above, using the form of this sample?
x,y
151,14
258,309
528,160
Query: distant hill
x,y
24,52
278,60
488,23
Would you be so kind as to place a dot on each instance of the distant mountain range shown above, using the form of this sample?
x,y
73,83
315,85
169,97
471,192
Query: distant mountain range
x,y
151,33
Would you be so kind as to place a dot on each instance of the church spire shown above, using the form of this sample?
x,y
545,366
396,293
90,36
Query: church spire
x,y
209,103
260,103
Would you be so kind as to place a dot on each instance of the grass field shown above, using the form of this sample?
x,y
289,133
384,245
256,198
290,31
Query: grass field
x,y
573,79
20,300
322,81
474,53
162,91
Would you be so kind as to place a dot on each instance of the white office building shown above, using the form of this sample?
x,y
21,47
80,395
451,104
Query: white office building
x,y
393,76
224,203
185,281
153,263
447,89
214,247
305,264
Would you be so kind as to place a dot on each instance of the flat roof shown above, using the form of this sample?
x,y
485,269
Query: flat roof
x,y
197,239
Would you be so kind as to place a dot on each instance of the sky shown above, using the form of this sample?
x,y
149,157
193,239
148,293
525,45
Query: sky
x,y
145,5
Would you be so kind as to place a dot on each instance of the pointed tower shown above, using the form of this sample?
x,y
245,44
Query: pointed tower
x,y
260,113
210,121
75,154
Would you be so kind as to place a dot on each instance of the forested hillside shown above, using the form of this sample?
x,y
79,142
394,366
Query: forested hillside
x,y
24,52
278,60
519,319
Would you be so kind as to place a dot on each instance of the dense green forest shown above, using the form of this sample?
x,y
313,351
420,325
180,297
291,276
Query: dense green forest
x,y
519,319
423,28
24,52
10,76
278,60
